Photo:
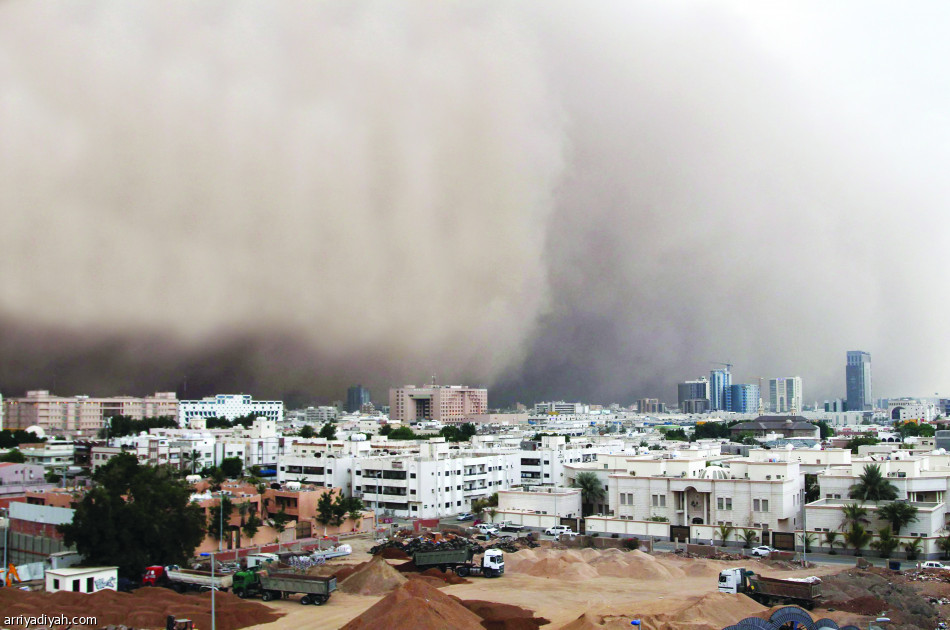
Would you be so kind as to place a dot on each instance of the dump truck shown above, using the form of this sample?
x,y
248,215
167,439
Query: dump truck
x,y
462,561
804,592
182,580
267,585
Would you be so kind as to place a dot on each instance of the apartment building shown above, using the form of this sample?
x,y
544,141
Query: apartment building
x,y
545,465
442,403
560,407
742,492
436,482
82,415
229,406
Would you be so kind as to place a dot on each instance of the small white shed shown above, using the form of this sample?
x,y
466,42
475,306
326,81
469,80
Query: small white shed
x,y
82,579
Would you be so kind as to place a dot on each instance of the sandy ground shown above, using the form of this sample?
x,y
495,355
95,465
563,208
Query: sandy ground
x,y
554,599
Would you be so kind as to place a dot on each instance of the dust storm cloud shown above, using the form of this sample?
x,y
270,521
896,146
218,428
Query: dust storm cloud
x,y
554,200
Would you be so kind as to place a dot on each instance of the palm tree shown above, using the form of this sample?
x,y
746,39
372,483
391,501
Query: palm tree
x,y
944,545
873,486
749,536
831,539
899,514
725,531
591,490
808,539
913,548
492,512
853,514
857,537
886,542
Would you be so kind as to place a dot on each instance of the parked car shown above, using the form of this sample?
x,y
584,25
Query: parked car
x,y
465,516
933,564
486,528
762,551
559,530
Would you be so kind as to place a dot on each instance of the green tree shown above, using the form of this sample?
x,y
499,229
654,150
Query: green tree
x,y
280,520
711,431
749,536
402,433
812,489
943,544
325,509
232,467
886,542
862,440
340,509
492,512
725,531
913,548
217,423
135,516
14,456
591,490
807,539
898,514
831,539
825,430
857,537
306,431
677,434
354,509
328,431
10,438
853,514
251,527
215,517
386,429
873,486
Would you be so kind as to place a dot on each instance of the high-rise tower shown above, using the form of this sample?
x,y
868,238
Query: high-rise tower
x,y
858,376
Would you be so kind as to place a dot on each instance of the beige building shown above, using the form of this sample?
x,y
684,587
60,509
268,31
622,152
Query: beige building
x,y
442,403
82,415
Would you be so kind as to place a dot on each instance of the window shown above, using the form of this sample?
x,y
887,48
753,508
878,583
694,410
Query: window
x,y
623,498
756,506
412,475
90,586
765,505
724,503
55,584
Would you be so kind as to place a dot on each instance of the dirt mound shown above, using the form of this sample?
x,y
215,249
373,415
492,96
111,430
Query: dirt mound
x,y
709,612
416,606
446,576
870,592
146,608
585,564
391,553
504,616
375,578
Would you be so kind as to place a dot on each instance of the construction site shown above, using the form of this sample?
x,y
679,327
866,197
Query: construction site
x,y
415,582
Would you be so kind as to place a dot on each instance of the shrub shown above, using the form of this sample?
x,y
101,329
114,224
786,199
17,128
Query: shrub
x,y
631,543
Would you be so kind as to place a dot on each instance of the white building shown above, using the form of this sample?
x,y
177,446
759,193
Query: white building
x,y
82,580
434,483
561,502
229,406
785,394
545,465
561,408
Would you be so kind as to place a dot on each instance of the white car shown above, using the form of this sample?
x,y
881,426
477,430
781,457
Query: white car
x,y
559,530
933,564
485,528
762,551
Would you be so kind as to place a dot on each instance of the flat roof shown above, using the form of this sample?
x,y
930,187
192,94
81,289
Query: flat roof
x,y
71,571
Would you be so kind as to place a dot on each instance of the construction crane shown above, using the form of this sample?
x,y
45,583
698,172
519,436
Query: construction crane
x,y
728,365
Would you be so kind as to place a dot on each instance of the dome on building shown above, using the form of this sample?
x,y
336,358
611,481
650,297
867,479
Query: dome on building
x,y
37,430
714,472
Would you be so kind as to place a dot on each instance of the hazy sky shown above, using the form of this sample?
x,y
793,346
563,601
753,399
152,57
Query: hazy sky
x,y
557,200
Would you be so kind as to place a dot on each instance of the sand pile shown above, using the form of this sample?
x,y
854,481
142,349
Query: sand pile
x,y
712,611
446,576
146,608
585,564
391,553
375,577
417,606
504,616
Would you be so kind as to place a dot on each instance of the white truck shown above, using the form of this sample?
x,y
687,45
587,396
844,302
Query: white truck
x,y
182,580
559,530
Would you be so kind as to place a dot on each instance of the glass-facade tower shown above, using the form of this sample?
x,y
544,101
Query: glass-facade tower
x,y
858,377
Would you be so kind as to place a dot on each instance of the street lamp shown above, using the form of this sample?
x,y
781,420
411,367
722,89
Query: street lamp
x,y
213,588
